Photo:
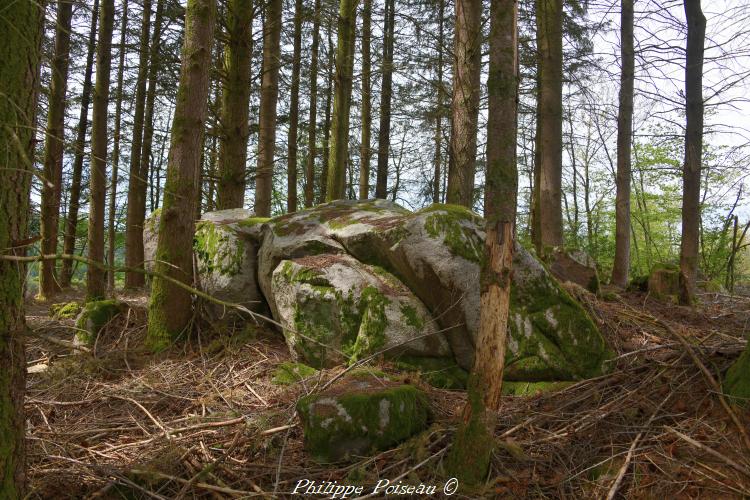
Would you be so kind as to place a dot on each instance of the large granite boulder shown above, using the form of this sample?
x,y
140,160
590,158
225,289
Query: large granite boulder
x,y
226,247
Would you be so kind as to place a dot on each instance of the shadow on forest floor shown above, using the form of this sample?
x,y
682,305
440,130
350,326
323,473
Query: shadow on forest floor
x,y
205,420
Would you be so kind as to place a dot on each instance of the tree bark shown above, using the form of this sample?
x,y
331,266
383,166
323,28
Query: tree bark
x,y
170,306
22,24
269,94
312,127
691,174
137,184
467,50
53,155
291,199
624,140
327,120
386,94
116,153
365,152
235,105
71,223
439,108
471,452
339,141
549,139
95,279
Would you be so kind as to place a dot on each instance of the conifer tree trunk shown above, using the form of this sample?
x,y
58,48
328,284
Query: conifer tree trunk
x,y
235,105
53,154
364,164
691,173
467,48
470,455
311,131
71,223
170,308
386,94
21,24
327,120
291,199
342,94
549,140
95,279
116,152
269,94
439,108
137,183
624,140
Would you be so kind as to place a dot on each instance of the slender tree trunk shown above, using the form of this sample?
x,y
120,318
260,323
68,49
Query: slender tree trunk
x,y
342,95
327,120
467,50
137,185
365,154
549,139
170,306
536,230
470,455
116,151
53,155
439,108
269,94
22,24
624,141
311,131
71,224
235,105
95,279
386,94
691,174
291,200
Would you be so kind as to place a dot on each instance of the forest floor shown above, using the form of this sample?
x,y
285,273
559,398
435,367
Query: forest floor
x,y
205,419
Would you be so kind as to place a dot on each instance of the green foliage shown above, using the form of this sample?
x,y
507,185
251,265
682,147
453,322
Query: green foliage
x,y
289,373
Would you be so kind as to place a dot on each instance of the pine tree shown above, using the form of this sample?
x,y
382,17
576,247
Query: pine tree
x,y
312,126
291,199
386,96
365,152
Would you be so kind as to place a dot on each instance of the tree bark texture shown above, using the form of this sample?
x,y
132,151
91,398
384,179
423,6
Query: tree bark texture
x,y
386,97
327,120
313,123
365,151
439,108
291,198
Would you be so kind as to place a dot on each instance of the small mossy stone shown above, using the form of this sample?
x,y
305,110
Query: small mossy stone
x,y
443,373
289,373
737,380
664,282
94,316
533,388
359,417
65,310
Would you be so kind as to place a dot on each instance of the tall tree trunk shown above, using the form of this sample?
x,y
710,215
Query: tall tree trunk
x,y
291,199
53,155
116,152
95,279
269,94
624,141
22,24
549,139
342,95
386,94
71,223
471,452
327,120
364,164
137,184
170,306
313,125
439,108
235,105
691,174
467,50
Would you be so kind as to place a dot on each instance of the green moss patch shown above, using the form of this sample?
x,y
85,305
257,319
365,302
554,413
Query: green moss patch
x,y
65,310
438,372
449,223
361,418
94,316
218,249
533,388
289,373
737,380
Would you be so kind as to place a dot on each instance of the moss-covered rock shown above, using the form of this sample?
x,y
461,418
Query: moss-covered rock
x,y
289,373
664,282
65,310
438,372
360,416
533,388
94,316
737,380
335,309
576,266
